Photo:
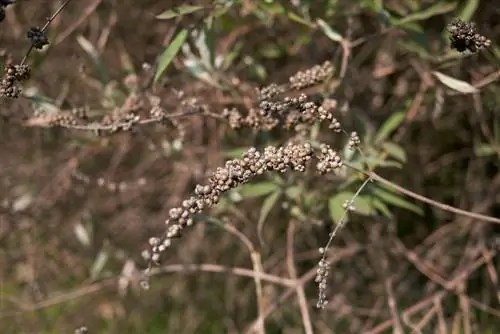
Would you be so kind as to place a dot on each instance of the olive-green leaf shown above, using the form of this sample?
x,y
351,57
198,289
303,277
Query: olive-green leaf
x,y
468,10
329,32
336,205
436,9
389,126
455,84
257,189
396,200
178,11
395,151
170,52
266,208
364,205
381,207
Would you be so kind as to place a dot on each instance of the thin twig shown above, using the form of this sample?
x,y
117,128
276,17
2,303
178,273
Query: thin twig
x,y
445,207
49,21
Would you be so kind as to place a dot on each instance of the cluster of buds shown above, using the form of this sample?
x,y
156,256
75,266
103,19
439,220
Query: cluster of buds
x,y
235,173
464,36
13,74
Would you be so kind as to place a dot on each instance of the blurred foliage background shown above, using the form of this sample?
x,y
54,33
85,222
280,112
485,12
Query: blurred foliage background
x,y
77,210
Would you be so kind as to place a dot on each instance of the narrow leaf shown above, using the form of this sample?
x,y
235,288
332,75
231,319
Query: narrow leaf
x,y
170,52
381,207
257,189
396,200
91,50
395,151
469,9
389,126
267,206
178,11
436,9
329,32
99,263
455,84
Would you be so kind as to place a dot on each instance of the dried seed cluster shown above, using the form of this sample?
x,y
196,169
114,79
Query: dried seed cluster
x,y
321,280
464,36
37,37
290,112
234,173
13,74
313,76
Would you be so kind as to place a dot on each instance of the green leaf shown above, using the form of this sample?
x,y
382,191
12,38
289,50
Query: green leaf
x,y
178,11
99,263
170,52
436,9
455,84
329,32
396,200
293,192
257,189
382,207
389,126
266,208
294,17
364,205
469,9
395,151
484,150
235,153
336,205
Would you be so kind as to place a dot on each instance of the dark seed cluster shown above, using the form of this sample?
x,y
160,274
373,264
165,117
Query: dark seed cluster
x,y
3,4
37,37
13,74
237,172
464,36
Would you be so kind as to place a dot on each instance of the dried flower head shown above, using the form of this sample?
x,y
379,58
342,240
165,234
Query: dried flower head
x,y
37,37
464,36
12,75
235,173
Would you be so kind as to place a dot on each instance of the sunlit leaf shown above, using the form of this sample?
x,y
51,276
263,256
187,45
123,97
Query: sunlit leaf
x,y
335,205
364,205
178,11
82,234
329,32
294,17
484,150
468,10
293,192
170,52
455,84
99,263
